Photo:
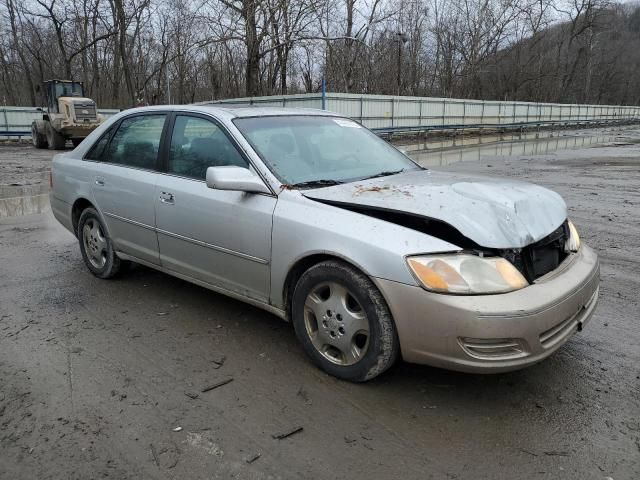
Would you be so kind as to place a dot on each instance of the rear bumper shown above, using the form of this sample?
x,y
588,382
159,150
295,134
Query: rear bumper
x,y
495,333
61,211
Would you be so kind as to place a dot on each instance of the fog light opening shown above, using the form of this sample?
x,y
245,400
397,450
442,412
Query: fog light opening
x,y
494,348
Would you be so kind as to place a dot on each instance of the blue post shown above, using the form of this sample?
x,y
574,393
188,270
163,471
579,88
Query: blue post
x,y
324,94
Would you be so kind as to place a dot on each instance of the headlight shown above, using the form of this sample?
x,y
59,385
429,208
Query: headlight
x,y
573,242
466,274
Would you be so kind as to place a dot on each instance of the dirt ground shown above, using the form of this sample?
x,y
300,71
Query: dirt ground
x,y
23,165
105,378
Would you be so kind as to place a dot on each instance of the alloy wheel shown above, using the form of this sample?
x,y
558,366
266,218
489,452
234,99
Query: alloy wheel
x,y
336,324
95,243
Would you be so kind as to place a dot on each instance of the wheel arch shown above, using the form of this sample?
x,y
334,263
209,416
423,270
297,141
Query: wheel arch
x,y
79,206
388,347
303,264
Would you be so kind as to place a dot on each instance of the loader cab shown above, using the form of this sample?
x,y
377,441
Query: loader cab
x,y
61,88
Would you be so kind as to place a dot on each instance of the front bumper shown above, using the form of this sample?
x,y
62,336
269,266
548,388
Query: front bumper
x,y
78,130
495,333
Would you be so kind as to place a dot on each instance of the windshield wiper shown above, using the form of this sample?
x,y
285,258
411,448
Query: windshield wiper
x,y
384,174
315,183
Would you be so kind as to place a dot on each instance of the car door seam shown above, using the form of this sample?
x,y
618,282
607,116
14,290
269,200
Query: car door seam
x,y
128,220
191,240
214,247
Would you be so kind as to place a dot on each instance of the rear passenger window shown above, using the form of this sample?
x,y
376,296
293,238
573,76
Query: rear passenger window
x,y
137,142
197,144
98,150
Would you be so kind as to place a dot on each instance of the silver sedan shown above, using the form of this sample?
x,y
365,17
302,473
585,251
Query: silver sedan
x,y
313,218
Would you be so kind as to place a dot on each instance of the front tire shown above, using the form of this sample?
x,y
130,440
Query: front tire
x,y
55,140
96,246
38,139
343,322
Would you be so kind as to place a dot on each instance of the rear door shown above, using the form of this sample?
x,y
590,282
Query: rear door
x,y
220,237
125,176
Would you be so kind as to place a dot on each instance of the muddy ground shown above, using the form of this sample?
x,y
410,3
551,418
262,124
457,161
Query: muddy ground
x,y
96,376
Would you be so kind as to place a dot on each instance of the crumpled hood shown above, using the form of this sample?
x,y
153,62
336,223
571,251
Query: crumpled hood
x,y
494,213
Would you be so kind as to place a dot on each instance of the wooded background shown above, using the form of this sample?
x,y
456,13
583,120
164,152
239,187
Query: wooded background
x,y
131,52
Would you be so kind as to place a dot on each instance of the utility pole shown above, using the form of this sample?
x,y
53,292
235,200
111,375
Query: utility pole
x,y
166,73
402,39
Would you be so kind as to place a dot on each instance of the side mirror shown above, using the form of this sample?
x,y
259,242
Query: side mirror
x,y
235,178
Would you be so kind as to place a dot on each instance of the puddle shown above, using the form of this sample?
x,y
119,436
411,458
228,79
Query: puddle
x,y
23,199
25,205
432,153
23,189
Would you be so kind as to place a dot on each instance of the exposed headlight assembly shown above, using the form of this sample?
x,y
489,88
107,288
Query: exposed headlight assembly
x,y
466,274
573,242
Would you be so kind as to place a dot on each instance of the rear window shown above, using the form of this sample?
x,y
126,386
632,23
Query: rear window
x,y
136,142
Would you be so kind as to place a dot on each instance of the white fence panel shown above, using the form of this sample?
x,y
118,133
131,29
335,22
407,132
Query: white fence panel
x,y
394,113
15,122
385,112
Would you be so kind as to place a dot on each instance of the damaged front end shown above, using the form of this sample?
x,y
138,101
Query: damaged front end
x,y
522,223
541,257
532,261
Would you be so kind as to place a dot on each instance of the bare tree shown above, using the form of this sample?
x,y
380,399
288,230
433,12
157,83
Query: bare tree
x,y
129,52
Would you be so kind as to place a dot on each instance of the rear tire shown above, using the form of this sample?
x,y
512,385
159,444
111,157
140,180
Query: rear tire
x,y
38,139
76,141
55,140
343,322
96,246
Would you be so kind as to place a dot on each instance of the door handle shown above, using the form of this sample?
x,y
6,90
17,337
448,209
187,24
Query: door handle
x,y
100,181
166,197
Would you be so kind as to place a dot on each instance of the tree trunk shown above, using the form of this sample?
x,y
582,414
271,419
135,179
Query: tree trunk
x,y
348,76
253,49
123,50
284,60
20,50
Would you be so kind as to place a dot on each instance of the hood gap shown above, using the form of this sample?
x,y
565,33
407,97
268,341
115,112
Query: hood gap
x,y
427,225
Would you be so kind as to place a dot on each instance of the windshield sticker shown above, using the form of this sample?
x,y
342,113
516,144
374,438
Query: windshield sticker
x,y
346,123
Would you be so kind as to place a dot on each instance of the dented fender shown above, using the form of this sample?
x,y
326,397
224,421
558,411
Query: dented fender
x,y
303,227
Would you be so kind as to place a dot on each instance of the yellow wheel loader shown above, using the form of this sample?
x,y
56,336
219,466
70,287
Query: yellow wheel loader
x,y
69,115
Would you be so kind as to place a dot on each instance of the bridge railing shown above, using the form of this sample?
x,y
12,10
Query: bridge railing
x,y
386,113
390,114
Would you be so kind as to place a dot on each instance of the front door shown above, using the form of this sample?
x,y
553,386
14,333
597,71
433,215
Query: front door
x,y
220,237
124,182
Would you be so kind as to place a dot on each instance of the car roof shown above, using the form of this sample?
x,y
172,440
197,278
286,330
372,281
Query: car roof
x,y
244,110
236,111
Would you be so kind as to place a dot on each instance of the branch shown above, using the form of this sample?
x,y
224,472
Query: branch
x,y
90,44
324,39
231,6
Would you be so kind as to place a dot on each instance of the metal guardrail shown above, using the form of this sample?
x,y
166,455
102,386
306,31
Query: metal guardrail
x,y
26,133
389,132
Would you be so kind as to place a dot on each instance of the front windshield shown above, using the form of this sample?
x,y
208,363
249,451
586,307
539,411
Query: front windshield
x,y
307,149
68,90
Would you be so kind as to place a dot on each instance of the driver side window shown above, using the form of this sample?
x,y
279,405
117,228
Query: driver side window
x,y
197,144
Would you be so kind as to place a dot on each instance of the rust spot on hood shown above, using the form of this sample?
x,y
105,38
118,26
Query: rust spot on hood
x,y
360,189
